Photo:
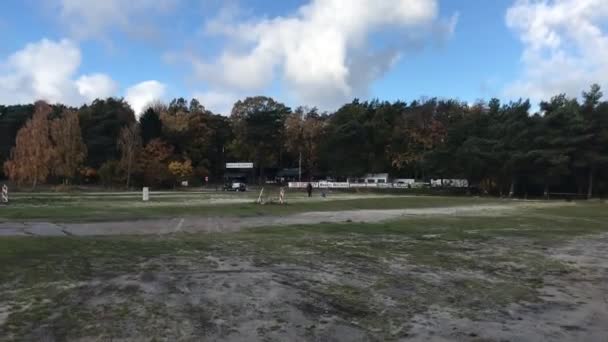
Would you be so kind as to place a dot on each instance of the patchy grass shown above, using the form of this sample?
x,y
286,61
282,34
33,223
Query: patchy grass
x,y
369,277
87,208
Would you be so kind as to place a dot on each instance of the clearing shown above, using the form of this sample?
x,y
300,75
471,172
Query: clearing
x,y
406,268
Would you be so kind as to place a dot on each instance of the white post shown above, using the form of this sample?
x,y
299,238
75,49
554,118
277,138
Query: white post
x,y
300,169
146,194
4,194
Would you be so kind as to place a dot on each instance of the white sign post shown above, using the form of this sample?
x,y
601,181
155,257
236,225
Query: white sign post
x,y
4,198
240,165
146,194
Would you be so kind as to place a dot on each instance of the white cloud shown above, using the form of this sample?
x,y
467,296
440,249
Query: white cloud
x,y
41,70
565,46
45,70
320,53
143,94
96,86
94,18
217,102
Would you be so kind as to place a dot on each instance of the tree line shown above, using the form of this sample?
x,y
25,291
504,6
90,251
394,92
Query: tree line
x,y
500,148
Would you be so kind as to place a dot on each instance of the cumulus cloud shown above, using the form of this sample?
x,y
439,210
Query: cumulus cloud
x,y
46,70
217,102
142,94
320,54
94,18
565,46
96,86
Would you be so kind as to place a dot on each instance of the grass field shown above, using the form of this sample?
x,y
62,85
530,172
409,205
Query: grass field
x,y
84,207
537,273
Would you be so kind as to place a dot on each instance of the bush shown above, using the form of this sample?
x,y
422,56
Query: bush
x,y
110,173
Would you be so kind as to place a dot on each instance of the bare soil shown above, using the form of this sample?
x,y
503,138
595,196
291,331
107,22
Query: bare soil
x,y
230,298
232,224
573,307
439,278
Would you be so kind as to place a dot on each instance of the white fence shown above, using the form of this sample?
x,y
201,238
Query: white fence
x,y
450,183
453,183
346,185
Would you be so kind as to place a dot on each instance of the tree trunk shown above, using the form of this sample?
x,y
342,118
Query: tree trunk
x,y
129,170
590,183
260,173
422,172
512,188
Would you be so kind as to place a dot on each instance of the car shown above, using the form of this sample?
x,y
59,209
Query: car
x,y
235,186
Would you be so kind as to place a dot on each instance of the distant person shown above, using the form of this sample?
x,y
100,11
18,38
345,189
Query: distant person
x,y
309,189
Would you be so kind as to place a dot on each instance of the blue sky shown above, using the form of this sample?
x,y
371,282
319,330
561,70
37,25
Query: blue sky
x,y
303,52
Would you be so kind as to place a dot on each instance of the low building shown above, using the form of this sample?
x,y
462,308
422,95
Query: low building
x,y
404,181
239,172
376,178
289,175
370,178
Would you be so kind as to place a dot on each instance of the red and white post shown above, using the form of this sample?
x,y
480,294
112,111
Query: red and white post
x,y
4,198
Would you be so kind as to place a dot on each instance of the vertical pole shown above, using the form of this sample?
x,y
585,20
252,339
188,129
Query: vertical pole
x,y
300,168
590,185
223,165
4,194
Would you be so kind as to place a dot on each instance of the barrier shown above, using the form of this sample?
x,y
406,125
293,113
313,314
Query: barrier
x,y
341,185
333,185
454,183
450,183
4,199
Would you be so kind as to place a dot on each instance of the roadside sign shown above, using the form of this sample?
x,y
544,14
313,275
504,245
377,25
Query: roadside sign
x,y
239,165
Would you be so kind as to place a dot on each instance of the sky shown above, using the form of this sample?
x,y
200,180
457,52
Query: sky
x,y
320,53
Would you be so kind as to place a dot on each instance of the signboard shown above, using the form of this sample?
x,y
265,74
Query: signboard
x,y
239,165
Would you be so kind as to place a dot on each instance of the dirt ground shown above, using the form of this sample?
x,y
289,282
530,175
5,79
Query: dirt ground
x,y
232,224
574,307
521,272
237,299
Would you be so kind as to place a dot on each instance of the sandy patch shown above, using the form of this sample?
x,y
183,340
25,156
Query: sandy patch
x,y
232,224
573,307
